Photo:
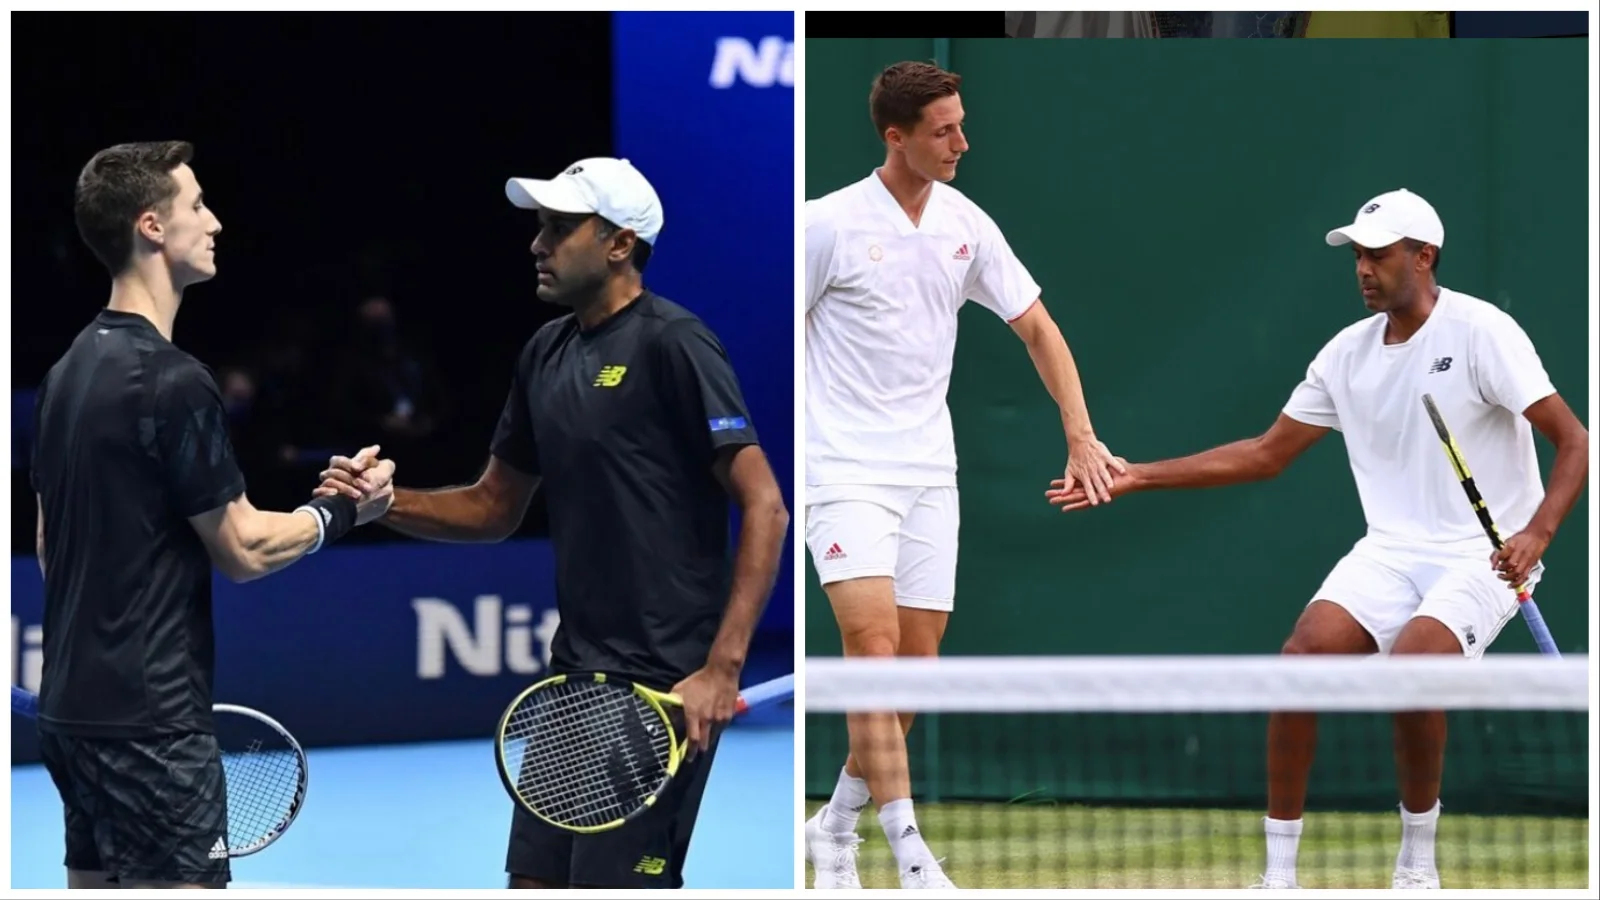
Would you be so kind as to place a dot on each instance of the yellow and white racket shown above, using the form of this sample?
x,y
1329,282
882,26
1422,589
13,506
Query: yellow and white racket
x,y
591,752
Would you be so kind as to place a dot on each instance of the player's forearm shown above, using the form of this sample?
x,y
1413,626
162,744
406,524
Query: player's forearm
x,y
461,515
1235,463
755,569
1059,371
274,540
1567,478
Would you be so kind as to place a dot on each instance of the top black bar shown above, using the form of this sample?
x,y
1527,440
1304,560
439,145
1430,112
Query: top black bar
x,y
904,24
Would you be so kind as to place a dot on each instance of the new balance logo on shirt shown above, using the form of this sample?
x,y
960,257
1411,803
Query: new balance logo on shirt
x,y
963,253
1442,364
610,376
834,552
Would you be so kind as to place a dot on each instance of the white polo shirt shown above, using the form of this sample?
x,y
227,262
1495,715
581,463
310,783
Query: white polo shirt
x,y
1482,371
881,301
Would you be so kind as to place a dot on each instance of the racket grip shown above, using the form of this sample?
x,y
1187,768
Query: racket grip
x,y
764,693
24,703
1541,631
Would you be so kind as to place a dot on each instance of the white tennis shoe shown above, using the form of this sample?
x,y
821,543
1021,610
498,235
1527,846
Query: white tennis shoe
x,y
832,856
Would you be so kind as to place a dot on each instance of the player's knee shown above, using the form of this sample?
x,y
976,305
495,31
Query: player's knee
x,y
1326,628
872,642
1307,642
1425,634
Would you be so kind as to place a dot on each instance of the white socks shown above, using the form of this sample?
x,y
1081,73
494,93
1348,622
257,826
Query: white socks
x,y
850,797
905,839
1417,831
1283,845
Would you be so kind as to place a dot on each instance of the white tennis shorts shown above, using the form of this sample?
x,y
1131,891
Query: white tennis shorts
x,y
905,533
1383,587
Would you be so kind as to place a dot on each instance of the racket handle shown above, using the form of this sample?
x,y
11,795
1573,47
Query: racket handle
x,y
24,703
767,692
1541,631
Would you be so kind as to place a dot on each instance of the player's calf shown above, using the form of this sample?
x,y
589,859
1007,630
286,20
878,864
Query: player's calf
x,y
1325,628
1419,741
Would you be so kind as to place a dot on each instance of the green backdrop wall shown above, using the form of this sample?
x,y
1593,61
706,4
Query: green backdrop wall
x,y
1172,197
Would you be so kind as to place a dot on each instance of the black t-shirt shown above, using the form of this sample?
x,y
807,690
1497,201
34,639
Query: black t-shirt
x,y
130,440
622,424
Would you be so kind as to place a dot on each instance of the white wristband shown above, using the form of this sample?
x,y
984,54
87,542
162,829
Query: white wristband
x,y
321,529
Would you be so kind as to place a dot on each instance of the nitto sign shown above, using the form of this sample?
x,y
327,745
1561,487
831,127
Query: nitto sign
x,y
500,637
765,64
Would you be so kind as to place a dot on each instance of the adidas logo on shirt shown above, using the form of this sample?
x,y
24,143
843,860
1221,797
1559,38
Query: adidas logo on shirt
x,y
834,552
963,253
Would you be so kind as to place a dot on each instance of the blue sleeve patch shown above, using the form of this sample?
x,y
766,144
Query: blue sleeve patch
x,y
728,423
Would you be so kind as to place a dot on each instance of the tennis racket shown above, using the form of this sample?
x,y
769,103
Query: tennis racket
x,y
263,767
591,752
1530,610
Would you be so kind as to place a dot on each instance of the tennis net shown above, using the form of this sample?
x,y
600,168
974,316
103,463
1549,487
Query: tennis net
x,y
1116,772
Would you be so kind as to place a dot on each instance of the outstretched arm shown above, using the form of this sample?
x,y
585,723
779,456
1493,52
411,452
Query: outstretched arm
x,y
486,511
1088,459
1252,459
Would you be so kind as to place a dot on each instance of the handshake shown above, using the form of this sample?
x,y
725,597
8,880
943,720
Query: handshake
x,y
366,479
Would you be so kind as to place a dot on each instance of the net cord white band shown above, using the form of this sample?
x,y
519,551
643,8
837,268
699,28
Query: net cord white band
x,y
1136,684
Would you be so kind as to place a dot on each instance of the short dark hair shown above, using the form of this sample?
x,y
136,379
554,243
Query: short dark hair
x,y
117,186
1415,246
900,93
641,250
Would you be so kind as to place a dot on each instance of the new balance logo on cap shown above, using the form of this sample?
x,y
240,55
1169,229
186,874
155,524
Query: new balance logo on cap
x,y
219,850
834,552
1442,364
963,253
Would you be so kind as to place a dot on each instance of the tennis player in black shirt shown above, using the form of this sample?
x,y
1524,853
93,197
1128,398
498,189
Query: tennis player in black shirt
x,y
139,495
628,415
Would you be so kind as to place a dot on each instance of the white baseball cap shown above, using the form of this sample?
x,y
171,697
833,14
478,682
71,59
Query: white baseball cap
x,y
1389,217
610,188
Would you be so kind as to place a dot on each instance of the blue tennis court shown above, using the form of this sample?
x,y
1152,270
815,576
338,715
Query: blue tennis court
x,y
435,816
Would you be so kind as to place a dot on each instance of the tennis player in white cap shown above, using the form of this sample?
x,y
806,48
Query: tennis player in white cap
x,y
1424,578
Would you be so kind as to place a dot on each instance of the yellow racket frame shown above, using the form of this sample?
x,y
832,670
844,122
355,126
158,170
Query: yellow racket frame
x,y
656,700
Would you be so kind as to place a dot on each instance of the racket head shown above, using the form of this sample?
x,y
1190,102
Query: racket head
x,y
267,776
587,752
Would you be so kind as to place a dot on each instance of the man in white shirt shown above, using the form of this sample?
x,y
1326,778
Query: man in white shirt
x,y
1418,581
889,262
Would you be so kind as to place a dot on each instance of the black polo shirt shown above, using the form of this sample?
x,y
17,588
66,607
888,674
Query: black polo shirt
x,y
130,440
622,424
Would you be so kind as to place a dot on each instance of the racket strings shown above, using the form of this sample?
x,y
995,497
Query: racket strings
x,y
264,775
586,753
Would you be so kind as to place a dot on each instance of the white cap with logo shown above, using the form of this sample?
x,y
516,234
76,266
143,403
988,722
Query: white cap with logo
x,y
1389,217
610,188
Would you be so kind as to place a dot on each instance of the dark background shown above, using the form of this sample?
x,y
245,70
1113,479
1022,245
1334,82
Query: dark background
x,y
361,160
371,162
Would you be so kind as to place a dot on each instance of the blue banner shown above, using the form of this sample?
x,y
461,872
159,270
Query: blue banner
x,y
703,104
381,644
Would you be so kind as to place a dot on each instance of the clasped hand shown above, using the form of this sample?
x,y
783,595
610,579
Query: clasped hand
x,y
364,478
709,697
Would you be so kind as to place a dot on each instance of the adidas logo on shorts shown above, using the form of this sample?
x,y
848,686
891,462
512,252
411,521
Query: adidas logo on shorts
x,y
219,850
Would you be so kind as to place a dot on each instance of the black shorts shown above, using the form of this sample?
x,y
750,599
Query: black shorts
x,y
645,853
151,809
